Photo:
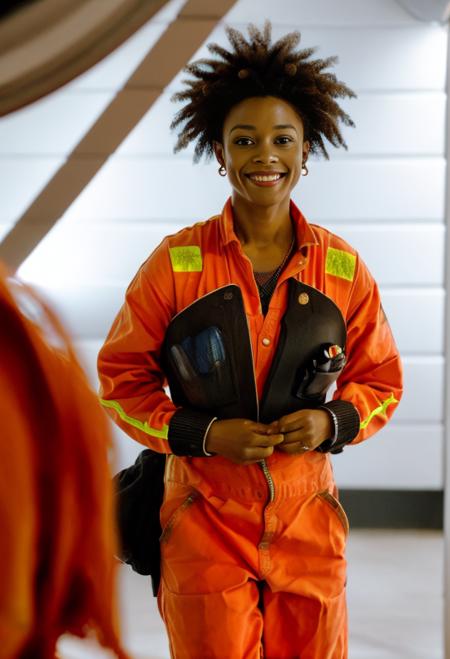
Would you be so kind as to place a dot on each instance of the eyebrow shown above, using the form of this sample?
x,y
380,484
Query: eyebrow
x,y
250,127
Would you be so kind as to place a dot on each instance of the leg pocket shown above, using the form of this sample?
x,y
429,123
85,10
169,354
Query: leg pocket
x,y
336,505
176,515
226,624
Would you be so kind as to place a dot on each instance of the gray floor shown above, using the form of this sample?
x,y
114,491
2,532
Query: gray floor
x,y
395,596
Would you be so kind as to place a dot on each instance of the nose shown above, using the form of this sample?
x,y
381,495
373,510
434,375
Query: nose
x,y
265,155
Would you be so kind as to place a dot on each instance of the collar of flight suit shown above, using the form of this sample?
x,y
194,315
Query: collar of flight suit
x,y
304,233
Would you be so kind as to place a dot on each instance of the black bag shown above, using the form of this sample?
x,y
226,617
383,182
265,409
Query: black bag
x,y
139,490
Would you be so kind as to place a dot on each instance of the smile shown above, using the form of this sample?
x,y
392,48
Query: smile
x,y
265,179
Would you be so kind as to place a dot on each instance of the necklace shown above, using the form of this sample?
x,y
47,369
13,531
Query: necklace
x,y
267,276
267,281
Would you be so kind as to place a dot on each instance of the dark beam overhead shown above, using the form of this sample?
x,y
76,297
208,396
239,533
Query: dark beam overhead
x,y
182,38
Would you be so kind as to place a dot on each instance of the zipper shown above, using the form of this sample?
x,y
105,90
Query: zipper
x,y
262,463
269,479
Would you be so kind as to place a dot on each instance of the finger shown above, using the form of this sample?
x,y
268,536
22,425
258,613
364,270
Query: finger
x,y
273,428
256,427
293,421
268,440
255,454
297,437
294,448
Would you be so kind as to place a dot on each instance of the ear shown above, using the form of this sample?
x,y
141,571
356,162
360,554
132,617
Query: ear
x,y
305,148
219,153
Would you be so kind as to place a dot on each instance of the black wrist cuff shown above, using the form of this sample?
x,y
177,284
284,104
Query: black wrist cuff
x,y
187,431
347,422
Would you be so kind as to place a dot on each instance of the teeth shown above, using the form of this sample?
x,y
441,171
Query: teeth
x,y
272,177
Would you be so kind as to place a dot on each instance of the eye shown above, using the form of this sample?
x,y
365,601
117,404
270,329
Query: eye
x,y
284,139
243,141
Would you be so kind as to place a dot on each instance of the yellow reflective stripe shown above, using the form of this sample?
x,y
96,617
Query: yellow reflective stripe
x,y
186,259
340,264
381,409
154,432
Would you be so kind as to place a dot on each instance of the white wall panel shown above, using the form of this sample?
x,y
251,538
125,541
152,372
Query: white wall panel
x,y
373,189
407,58
400,457
392,124
423,396
410,255
78,253
405,454
4,229
323,12
422,400
416,316
370,59
87,352
52,126
87,311
21,180
386,124
81,255
140,189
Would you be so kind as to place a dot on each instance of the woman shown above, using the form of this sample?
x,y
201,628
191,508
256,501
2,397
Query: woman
x,y
248,315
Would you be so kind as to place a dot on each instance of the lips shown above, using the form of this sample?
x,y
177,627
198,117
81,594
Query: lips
x,y
266,178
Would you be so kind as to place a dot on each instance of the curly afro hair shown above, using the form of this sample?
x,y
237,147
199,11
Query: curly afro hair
x,y
259,68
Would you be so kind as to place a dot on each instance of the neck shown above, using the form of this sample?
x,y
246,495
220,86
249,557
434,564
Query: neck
x,y
262,225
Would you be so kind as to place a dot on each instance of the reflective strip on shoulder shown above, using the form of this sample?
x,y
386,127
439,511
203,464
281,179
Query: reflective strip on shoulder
x,y
154,432
380,410
186,259
340,264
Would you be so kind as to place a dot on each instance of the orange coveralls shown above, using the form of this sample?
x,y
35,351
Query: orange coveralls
x,y
252,563
57,529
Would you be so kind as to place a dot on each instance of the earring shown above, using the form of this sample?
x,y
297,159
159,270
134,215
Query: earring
x,y
304,169
222,170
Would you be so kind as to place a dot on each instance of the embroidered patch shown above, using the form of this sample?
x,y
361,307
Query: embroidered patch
x,y
340,264
186,259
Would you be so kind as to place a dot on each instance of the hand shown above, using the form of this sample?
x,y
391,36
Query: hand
x,y
241,441
303,430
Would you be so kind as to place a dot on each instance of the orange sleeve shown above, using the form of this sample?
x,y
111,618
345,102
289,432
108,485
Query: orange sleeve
x,y
131,380
372,379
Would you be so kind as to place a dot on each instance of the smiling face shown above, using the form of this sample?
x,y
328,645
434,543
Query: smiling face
x,y
262,150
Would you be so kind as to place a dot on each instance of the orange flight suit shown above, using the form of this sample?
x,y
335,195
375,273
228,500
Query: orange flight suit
x,y
252,562
57,530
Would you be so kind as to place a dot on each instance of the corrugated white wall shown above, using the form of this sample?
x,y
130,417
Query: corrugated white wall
x,y
385,196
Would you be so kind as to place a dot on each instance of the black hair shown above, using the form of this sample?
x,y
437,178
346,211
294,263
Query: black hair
x,y
259,68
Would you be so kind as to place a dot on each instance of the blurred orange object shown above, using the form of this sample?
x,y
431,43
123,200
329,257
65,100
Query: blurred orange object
x,y
57,534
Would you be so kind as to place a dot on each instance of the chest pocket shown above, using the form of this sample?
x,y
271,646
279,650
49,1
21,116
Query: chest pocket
x,y
311,320
207,356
